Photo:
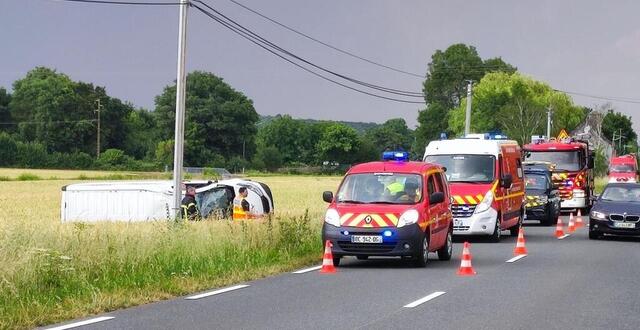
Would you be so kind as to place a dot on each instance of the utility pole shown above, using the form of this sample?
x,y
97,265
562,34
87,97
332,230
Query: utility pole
x,y
180,100
548,123
243,155
97,111
467,122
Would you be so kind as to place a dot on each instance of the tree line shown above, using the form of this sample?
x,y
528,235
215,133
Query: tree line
x,y
49,120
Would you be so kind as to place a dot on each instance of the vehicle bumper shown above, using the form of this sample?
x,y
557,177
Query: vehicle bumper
x,y
403,241
578,201
538,212
606,227
477,224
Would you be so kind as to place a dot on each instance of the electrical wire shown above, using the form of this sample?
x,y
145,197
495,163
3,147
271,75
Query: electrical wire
x,y
257,42
109,2
262,40
608,98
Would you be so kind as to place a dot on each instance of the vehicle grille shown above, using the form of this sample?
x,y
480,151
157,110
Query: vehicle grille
x,y
461,228
626,218
462,210
366,248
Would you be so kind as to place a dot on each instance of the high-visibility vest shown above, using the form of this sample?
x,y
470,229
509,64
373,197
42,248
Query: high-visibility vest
x,y
238,212
395,187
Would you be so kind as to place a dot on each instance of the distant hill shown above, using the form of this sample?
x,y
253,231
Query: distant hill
x,y
358,126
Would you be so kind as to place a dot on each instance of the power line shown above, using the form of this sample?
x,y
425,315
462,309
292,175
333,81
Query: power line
x,y
273,48
325,43
134,3
608,98
253,38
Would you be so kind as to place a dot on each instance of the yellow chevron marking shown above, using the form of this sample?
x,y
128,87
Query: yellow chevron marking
x,y
510,196
354,221
345,217
393,218
479,198
459,199
378,219
471,200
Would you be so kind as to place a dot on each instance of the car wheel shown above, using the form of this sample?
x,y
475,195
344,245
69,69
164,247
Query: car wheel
x,y
422,255
446,251
495,237
594,234
515,229
362,257
336,261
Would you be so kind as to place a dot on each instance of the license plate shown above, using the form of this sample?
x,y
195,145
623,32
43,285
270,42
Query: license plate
x,y
624,225
366,239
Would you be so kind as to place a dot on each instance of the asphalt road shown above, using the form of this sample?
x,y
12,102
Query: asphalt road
x,y
572,283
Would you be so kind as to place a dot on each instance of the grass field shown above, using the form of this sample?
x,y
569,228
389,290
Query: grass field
x,y
22,174
52,272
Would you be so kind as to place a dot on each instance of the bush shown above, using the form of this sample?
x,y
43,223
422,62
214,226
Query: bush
x,y
31,155
269,156
114,159
28,177
236,164
8,150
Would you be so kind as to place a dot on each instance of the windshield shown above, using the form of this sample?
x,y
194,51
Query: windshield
x,y
621,168
215,202
622,194
384,188
564,160
535,182
466,168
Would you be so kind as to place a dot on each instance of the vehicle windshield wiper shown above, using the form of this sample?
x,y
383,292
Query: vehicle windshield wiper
x,y
382,202
350,201
463,181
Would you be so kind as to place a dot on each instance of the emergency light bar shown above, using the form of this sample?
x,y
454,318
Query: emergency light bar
x,y
401,156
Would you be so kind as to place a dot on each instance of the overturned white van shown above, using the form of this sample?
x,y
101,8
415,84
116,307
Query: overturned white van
x,y
151,200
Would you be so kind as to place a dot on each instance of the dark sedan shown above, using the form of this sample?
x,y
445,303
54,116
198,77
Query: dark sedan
x,y
617,211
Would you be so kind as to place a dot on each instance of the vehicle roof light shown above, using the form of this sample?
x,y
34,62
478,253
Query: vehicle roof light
x,y
401,156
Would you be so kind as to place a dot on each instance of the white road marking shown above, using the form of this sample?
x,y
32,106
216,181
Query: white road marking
x,y
211,293
516,258
564,236
425,299
306,270
81,323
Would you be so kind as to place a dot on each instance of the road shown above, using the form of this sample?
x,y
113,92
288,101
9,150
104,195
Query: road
x,y
562,284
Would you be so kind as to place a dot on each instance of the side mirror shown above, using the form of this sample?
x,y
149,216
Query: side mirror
x,y
436,198
327,196
506,181
607,172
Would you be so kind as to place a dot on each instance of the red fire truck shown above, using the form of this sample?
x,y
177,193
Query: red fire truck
x,y
623,169
573,173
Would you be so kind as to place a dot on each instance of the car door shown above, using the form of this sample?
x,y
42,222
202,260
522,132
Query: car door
x,y
443,217
432,212
502,192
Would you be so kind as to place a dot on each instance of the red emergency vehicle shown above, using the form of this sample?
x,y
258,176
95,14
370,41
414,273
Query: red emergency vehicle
x,y
393,207
572,175
623,169
485,176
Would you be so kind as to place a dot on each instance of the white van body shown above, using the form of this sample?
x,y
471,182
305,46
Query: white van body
x,y
133,201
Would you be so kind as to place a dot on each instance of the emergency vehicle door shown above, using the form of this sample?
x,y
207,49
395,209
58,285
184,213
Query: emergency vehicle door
x,y
503,203
443,216
435,212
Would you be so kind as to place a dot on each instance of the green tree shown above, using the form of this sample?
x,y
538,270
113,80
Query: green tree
x,y
5,114
496,64
140,141
339,143
268,157
284,133
164,153
432,122
620,125
393,134
219,119
8,149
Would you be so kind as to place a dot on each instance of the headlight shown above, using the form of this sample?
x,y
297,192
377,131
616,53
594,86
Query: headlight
x,y
485,204
332,217
543,199
598,215
408,217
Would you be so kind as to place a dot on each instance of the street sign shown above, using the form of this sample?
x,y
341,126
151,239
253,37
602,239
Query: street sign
x,y
562,135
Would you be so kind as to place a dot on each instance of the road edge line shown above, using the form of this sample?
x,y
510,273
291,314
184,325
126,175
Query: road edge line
x,y
306,270
215,292
564,236
81,323
424,299
516,258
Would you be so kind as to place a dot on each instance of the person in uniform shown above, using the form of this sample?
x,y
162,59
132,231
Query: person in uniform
x,y
189,208
241,207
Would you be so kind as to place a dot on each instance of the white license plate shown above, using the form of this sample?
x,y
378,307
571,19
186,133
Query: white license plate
x,y
624,225
366,239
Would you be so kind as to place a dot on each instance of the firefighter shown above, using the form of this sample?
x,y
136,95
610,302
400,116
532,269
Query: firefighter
x,y
189,208
241,207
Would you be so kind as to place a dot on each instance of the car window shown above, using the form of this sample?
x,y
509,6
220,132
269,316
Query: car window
x,y
621,194
431,186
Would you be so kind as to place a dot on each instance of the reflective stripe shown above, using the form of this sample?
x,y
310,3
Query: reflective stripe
x,y
471,200
459,199
238,212
510,196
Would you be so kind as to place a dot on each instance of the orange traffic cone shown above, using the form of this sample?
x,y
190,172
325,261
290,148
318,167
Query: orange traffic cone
x,y
559,230
579,222
572,225
520,249
465,264
327,260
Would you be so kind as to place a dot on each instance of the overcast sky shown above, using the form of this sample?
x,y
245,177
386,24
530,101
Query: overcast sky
x,y
591,47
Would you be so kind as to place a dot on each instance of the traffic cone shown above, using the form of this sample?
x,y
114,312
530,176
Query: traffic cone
x,y
327,260
465,264
572,225
520,249
579,222
559,230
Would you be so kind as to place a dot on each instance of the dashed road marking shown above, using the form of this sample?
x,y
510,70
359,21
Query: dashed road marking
x,y
212,293
81,323
306,270
516,258
564,236
425,299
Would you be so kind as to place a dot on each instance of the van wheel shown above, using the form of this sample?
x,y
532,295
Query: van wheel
x,y
446,251
495,237
422,255
336,261
515,229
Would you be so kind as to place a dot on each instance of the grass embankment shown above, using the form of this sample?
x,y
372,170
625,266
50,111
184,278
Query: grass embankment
x,y
52,272
21,174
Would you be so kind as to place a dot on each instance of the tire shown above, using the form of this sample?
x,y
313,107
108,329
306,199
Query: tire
x,y
495,237
594,234
362,257
446,251
336,261
422,254
515,229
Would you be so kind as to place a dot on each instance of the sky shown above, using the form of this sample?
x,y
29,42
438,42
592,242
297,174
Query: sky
x,y
585,46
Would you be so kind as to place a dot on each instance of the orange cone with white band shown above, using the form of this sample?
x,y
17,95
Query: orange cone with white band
x,y
559,229
520,249
465,264
579,222
572,225
327,260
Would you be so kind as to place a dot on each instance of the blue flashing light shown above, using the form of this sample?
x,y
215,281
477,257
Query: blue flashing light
x,y
387,233
401,156
443,136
